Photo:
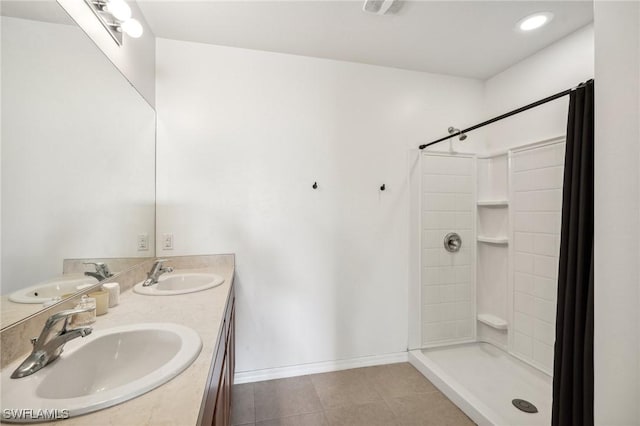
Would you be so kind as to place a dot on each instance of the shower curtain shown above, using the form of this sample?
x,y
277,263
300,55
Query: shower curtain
x,y
573,354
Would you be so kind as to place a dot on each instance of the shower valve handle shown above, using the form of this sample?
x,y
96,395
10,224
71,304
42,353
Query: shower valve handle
x,y
452,242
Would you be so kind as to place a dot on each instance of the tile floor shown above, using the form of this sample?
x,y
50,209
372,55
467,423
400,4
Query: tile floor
x,y
386,395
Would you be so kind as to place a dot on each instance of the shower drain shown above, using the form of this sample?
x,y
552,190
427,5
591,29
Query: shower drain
x,y
525,406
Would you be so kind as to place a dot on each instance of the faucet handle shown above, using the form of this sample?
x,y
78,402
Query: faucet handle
x,y
64,315
34,340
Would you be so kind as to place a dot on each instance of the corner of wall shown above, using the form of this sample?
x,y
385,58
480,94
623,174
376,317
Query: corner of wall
x,y
557,67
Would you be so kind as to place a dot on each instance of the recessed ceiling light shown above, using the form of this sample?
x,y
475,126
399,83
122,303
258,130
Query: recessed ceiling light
x,y
532,22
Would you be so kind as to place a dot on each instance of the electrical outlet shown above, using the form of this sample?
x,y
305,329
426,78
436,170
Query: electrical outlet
x,y
167,241
143,242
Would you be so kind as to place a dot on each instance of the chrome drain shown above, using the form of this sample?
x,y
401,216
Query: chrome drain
x,y
525,406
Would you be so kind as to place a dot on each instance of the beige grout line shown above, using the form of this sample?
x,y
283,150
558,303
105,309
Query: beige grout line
x,y
253,395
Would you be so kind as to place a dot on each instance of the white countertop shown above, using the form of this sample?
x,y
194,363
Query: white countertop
x,y
178,401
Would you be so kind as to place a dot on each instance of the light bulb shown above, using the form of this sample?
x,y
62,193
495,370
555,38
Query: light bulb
x,y
133,28
535,21
119,9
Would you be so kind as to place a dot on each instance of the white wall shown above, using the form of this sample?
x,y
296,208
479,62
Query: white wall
x,y
617,221
0,158
77,154
135,58
560,66
242,136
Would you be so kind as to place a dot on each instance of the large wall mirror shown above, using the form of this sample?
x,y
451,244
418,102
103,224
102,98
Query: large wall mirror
x,y
77,161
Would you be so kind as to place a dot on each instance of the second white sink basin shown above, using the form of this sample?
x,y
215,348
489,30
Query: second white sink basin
x,y
105,369
48,290
180,283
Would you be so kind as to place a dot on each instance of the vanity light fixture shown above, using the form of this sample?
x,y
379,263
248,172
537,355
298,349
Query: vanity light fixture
x,y
534,21
115,17
381,7
132,27
118,8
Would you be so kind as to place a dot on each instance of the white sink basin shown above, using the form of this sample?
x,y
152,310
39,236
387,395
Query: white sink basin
x,y
104,369
48,290
180,283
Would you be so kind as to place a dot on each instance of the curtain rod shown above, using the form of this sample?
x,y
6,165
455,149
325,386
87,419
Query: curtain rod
x,y
508,114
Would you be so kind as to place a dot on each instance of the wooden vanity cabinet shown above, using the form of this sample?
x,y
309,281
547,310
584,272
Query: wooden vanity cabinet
x,y
216,403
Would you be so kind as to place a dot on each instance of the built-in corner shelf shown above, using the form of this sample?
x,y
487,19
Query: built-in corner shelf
x,y
493,321
493,203
493,240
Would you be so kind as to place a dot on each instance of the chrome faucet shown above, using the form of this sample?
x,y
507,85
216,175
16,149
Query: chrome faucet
x,y
102,271
156,270
48,347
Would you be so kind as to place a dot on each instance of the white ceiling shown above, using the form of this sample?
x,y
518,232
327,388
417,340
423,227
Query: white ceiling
x,y
464,38
35,10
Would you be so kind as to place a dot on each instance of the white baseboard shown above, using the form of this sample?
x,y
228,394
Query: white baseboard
x,y
318,367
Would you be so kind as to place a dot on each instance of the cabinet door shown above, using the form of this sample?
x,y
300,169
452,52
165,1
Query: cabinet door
x,y
231,347
216,408
229,364
221,415
227,394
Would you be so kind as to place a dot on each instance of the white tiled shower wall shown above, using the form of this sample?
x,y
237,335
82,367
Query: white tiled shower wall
x,y
447,279
536,191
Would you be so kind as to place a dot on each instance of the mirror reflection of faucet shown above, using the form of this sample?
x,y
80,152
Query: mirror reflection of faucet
x,y
156,270
102,271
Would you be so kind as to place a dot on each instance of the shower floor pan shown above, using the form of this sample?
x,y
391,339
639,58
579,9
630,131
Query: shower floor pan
x,y
482,380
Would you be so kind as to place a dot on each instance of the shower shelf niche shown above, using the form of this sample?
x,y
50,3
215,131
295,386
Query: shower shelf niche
x,y
493,203
493,240
492,261
493,321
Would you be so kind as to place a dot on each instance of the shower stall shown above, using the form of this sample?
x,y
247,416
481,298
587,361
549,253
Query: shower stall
x,y
484,284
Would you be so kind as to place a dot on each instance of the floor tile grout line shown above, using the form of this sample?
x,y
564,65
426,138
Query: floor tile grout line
x,y
291,415
434,391
315,389
253,395
364,378
393,413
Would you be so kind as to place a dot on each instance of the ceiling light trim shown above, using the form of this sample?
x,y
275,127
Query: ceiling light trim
x,y
534,21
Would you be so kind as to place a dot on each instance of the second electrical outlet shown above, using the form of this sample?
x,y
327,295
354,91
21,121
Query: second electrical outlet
x,y
143,242
167,241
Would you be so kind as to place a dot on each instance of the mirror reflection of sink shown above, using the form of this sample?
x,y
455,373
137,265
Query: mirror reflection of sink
x,y
48,290
180,283
104,369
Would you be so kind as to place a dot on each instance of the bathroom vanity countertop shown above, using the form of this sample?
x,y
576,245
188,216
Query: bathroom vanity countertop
x,y
11,312
178,401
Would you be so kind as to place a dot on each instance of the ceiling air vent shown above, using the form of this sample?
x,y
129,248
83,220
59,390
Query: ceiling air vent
x,y
381,7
